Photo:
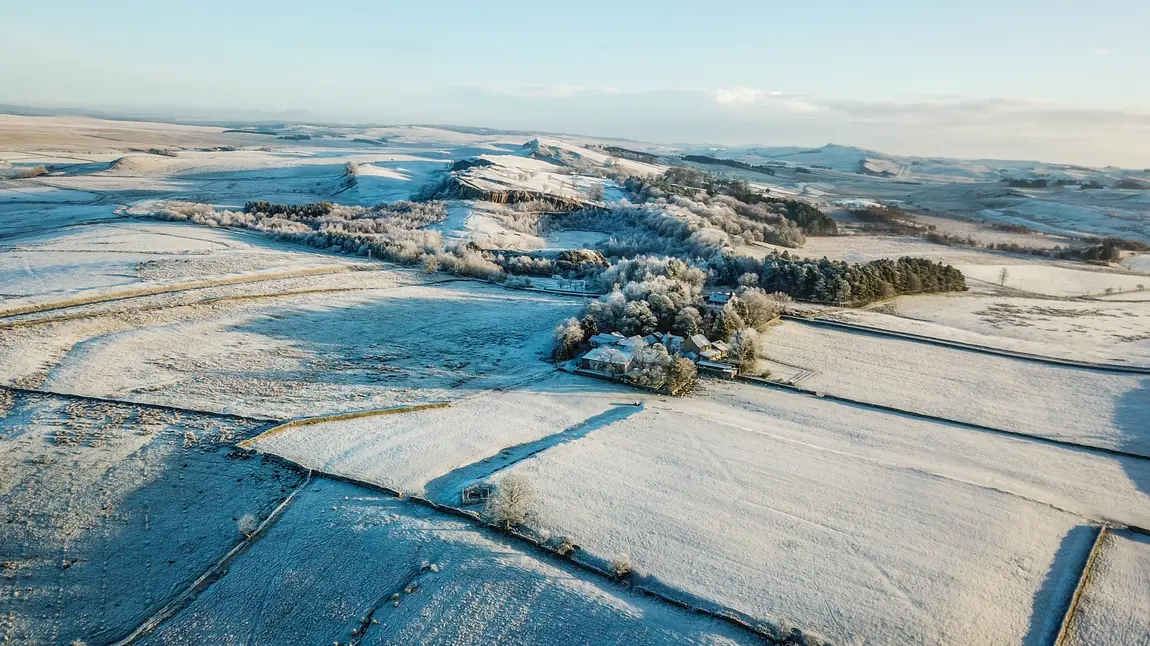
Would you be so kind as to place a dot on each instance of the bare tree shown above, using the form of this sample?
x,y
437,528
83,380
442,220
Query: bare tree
x,y
1003,274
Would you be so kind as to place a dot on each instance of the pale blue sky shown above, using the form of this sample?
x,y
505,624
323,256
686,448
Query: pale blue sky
x,y
1058,80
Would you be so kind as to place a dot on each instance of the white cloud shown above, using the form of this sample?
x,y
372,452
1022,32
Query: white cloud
x,y
738,95
557,91
777,101
1101,52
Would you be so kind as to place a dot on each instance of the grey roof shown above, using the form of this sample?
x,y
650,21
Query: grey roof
x,y
632,342
606,339
700,341
608,354
719,345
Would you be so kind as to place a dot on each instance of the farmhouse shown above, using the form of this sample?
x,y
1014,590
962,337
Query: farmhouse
x,y
632,343
607,359
718,299
605,339
696,343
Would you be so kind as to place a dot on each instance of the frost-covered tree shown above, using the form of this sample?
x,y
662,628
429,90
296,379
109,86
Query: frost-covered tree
x,y
568,336
511,502
746,348
756,308
650,366
637,319
726,323
681,377
687,321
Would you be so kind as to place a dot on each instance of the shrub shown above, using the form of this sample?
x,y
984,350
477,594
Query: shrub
x,y
247,525
512,500
621,565
28,173
517,281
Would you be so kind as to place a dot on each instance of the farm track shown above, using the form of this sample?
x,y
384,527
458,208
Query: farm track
x,y
969,347
945,420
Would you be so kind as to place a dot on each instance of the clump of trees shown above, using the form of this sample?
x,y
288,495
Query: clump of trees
x,y
842,283
733,163
688,182
648,295
1040,182
391,232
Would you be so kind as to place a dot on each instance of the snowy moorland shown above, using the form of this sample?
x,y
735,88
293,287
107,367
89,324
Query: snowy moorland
x,y
329,384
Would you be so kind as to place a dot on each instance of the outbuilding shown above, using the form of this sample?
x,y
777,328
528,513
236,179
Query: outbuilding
x,y
608,359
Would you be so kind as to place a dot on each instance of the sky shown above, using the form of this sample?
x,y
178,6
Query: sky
x,y
1060,81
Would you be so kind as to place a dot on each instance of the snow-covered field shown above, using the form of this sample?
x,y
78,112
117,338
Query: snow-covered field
x,y
344,558
112,510
849,522
1114,609
1055,281
1087,407
406,451
1099,331
90,260
1139,263
307,352
865,525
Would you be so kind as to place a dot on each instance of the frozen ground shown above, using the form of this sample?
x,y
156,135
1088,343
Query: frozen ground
x,y
112,510
849,522
298,354
406,451
1087,407
1054,281
1114,609
343,558
93,259
1139,263
869,526
1099,331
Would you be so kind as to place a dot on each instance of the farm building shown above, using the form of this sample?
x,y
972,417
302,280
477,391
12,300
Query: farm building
x,y
718,299
717,369
632,343
607,359
696,343
605,339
